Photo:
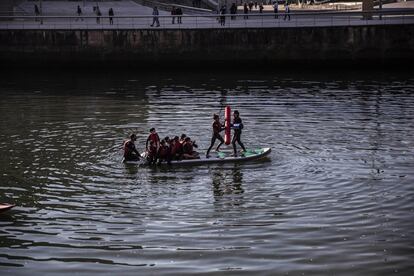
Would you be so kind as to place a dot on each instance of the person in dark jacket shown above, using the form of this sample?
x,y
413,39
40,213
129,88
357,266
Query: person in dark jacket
x,y
245,11
111,16
155,20
237,125
233,10
173,13
179,13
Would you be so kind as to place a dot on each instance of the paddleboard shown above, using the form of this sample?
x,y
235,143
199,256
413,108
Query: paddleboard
x,y
217,157
5,207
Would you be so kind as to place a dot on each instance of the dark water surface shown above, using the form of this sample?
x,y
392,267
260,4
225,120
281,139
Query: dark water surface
x,y
336,196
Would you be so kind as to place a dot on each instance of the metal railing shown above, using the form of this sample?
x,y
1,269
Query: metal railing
x,y
265,20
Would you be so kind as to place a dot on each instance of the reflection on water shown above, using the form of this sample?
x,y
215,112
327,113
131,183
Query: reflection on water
x,y
335,196
227,182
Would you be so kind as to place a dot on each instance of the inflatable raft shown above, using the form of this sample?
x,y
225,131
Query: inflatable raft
x,y
216,158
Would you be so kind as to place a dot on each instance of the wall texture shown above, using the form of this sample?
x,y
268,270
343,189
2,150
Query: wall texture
x,y
203,47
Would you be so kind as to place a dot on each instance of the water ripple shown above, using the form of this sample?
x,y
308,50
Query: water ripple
x,y
335,196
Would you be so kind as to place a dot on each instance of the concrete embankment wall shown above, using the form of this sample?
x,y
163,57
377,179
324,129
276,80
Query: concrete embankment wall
x,y
372,45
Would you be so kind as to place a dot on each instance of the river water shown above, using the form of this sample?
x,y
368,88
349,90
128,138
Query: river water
x,y
335,197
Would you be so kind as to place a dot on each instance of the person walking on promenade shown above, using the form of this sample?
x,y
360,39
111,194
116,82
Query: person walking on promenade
x,y
246,11
233,10
155,14
111,16
251,6
261,8
223,12
287,11
173,13
98,15
179,13
36,12
276,9
79,13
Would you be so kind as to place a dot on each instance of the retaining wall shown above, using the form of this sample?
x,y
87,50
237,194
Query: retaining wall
x,y
202,47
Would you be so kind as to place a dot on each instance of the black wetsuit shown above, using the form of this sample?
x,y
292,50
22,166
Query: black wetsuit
x,y
216,135
130,152
237,126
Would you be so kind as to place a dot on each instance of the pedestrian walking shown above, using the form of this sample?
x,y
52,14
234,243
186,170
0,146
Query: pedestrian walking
x,y
246,11
173,13
223,12
261,8
287,11
155,14
98,15
179,13
111,16
233,10
36,12
79,13
251,6
276,9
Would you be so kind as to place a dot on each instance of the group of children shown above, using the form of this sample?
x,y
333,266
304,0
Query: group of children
x,y
165,150
178,148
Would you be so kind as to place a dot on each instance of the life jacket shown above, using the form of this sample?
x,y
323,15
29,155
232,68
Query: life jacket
x,y
152,150
163,151
188,147
177,148
154,137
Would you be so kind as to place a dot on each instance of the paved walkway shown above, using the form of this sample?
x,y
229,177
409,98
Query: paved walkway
x,y
68,8
130,15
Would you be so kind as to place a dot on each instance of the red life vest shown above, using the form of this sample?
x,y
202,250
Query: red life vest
x,y
154,137
188,147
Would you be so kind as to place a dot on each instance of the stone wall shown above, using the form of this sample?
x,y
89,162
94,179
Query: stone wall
x,y
203,47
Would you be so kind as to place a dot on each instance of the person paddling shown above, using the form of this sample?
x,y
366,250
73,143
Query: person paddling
x,y
237,125
217,128
130,151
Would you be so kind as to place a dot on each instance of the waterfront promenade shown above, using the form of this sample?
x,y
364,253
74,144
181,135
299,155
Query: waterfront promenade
x,y
309,37
130,15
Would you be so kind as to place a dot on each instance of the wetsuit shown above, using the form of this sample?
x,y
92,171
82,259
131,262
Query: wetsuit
x,y
237,126
217,127
130,152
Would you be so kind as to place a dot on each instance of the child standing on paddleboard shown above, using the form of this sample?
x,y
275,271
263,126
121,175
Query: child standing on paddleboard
x,y
153,143
217,127
237,126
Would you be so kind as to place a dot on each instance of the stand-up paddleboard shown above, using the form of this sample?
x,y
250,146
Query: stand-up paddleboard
x,y
5,207
227,125
217,157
